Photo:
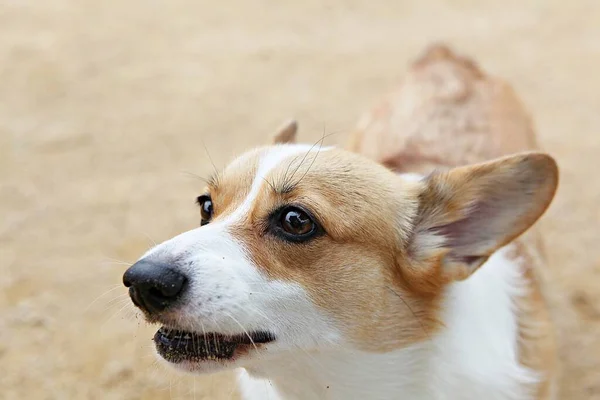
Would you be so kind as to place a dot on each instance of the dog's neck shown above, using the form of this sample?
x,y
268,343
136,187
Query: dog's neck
x,y
341,375
477,350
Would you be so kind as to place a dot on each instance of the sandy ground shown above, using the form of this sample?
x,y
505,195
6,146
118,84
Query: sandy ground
x,y
104,109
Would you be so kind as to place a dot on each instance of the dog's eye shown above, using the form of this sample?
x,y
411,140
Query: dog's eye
x,y
206,209
297,224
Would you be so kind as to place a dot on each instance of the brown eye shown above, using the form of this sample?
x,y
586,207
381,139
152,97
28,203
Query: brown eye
x,y
297,223
206,209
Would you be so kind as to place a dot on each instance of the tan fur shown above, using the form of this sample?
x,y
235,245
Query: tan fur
x,y
445,113
286,133
230,187
538,343
371,270
390,245
361,241
449,205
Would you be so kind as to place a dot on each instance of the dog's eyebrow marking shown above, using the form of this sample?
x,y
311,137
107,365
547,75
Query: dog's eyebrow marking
x,y
267,163
287,185
214,180
269,160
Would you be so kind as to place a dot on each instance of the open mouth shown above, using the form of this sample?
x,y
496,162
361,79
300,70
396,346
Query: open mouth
x,y
177,346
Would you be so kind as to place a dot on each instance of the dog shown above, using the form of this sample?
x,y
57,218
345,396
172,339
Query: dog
x,y
401,267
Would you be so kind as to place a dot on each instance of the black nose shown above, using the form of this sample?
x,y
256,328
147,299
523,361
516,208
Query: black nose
x,y
153,287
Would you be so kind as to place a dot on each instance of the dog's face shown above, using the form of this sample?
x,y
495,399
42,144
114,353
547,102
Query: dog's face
x,y
304,249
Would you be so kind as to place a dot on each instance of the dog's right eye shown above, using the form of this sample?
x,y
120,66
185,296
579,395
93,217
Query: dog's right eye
x,y
206,209
295,224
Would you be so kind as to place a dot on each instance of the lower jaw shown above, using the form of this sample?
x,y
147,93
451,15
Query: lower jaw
x,y
190,350
174,357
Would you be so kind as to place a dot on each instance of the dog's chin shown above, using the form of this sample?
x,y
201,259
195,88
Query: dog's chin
x,y
209,352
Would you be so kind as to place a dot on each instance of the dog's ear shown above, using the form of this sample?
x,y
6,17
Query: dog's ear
x,y
467,213
286,134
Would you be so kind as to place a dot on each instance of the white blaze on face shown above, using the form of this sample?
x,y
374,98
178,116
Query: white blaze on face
x,y
227,293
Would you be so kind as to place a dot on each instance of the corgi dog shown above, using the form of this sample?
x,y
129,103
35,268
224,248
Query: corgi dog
x,y
399,268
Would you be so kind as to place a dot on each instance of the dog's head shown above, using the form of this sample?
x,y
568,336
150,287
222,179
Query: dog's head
x,y
304,248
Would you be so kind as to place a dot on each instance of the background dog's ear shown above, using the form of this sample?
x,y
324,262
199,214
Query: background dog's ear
x,y
286,133
467,213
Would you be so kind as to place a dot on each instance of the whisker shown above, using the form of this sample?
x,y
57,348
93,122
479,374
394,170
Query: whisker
x,y
116,261
203,331
196,176
244,329
214,336
287,181
114,315
269,183
196,348
285,174
301,162
209,157
116,302
117,286
121,299
150,239
313,160
262,314
410,309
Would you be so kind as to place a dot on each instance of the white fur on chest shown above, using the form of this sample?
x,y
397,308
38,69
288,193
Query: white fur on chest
x,y
475,357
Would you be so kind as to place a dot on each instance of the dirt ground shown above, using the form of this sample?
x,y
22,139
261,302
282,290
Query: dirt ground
x,y
105,107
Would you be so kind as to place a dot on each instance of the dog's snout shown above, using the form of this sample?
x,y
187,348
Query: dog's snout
x,y
154,287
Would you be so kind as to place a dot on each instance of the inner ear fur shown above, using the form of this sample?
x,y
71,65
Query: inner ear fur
x,y
467,213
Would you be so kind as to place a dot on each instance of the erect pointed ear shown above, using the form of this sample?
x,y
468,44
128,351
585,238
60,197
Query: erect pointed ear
x,y
286,133
467,213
